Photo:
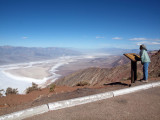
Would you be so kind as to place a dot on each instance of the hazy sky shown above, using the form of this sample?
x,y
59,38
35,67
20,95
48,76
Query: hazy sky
x,y
80,23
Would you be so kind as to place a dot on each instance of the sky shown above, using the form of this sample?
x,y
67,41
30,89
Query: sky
x,y
84,24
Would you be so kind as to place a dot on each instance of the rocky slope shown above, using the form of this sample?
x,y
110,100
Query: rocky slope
x,y
96,76
154,67
99,76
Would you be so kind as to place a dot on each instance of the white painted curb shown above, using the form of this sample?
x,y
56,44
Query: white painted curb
x,y
79,101
73,102
156,84
131,89
25,113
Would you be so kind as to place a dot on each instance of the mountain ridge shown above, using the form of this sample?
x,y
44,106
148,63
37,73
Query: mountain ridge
x,y
10,54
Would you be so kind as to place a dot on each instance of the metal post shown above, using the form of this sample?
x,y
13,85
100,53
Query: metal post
x,y
133,71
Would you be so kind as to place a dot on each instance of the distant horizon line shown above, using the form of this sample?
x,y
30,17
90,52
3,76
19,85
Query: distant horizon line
x,y
61,47
74,47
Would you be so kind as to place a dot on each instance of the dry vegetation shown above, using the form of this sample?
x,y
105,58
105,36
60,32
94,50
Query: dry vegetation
x,y
10,90
82,83
52,87
33,88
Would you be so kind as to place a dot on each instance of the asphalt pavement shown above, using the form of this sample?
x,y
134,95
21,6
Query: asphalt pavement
x,y
142,105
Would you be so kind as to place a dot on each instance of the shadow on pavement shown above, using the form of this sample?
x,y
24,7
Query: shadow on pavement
x,y
117,83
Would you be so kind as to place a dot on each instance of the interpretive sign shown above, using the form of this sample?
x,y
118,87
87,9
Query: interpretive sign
x,y
134,58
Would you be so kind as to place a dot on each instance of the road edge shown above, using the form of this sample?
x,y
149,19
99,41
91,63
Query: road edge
x,y
74,102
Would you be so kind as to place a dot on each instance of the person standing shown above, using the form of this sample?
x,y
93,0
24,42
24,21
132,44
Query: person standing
x,y
145,60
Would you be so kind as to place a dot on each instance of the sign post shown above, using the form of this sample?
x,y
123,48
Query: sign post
x,y
134,58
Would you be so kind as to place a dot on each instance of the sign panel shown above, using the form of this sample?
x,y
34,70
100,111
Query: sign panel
x,y
133,57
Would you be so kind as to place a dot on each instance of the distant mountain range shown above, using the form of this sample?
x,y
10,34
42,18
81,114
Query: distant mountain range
x,y
111,51
117,51
10,54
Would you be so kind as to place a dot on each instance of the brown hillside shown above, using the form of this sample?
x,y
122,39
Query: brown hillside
x,y
96,76
154,67
99,76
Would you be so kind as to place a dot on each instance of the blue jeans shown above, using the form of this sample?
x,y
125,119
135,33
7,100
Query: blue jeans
x,y
145,70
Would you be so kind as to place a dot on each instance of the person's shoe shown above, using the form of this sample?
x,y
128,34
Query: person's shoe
x,y
141,80
145,81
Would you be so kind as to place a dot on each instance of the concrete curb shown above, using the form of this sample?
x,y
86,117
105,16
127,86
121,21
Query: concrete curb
x,y
156,84
132,89
25,113
73,102
79,101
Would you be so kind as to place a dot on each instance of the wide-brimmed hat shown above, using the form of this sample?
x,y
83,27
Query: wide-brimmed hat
x,y
143,47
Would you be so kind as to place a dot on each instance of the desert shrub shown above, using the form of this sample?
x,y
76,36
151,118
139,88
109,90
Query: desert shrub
x,y
33,88
10,90
1,93
52,87
82,83
124,79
